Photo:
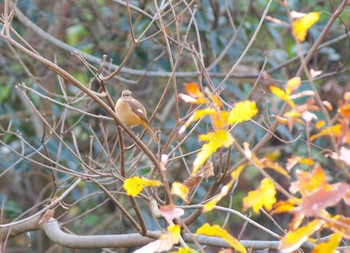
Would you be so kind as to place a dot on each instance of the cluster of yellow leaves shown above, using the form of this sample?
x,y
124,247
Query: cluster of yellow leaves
x,y
215,230
316,195
220,118
302,24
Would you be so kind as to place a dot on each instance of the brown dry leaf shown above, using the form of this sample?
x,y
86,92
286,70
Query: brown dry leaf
x,y
47,216
207,171
193,180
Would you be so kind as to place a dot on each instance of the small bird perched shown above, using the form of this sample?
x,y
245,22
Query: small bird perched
x,y
132,112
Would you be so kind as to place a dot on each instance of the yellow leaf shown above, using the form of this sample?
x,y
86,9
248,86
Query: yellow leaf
x,y
330,246
180,190
174,233
242,111
320,124
215,140
201,113
267,163
185,250
215,230
292,114
219,119
332,130
292,240
264,196
301,25
224,190
235,174
283,206
135,185
292,85
216,100
281,94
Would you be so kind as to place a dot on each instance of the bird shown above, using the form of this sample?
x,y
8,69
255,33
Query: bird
x,y
133,113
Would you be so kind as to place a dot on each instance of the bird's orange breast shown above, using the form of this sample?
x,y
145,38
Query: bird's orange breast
x,y
124,112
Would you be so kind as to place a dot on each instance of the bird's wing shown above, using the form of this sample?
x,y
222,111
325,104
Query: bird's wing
x,y
138,108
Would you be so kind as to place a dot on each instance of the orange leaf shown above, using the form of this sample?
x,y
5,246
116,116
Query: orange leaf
x,y
264,196
215,140
135,185
215,230
301,25
308,182
193,90
242,111
180,190
194,94
281,94
292,240
292,85
345,111
330,246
